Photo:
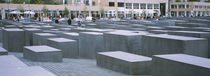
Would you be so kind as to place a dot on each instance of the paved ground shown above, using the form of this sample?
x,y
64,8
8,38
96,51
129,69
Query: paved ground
x,y
72,67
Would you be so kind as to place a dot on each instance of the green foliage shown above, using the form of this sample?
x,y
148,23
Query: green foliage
x,y
66,12
45,10
20,1
144,12
36,2
102,12
2,1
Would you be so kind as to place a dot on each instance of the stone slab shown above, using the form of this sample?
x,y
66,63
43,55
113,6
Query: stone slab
x,y
68,47
90,43
42,53
180,65
125,62
171,44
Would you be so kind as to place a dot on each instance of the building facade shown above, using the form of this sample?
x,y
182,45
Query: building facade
x,y
189,9
95,8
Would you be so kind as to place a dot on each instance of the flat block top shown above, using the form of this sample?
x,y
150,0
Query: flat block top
x,y
160,30
175,37
124,33
72,34
61,40
126,56
25,71
13,29
98,30
175,27
10,61
92,33
32,29
194,32
41,48
187,59
45,34
2,49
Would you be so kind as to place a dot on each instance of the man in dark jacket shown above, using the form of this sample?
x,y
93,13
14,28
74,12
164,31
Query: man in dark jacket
x,y
69,21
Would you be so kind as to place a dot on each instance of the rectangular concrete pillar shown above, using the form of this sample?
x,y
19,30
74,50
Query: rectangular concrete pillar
x,y
123,40
68,47
180,65
13,39
171,44
42,53
125,62
90,43
29,35
205,35
41,38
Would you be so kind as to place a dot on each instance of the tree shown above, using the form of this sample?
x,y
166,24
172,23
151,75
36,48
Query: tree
x,y
102,12
66,12
2,1
45,10
20,1
36,2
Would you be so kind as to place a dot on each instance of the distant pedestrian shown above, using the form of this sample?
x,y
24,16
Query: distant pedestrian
x,y
56,21
79,23
69,21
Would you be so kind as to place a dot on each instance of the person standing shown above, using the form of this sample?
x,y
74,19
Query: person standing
x,y
69,21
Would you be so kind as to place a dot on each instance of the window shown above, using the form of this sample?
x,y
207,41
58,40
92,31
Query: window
x,y
143,6
200,6
156,6
128,6
196,6
188,6
93,3
87,2
111,4
181,6
135,6
120,4
149,6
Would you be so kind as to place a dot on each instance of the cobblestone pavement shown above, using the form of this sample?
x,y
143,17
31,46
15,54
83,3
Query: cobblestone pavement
x,y
72,67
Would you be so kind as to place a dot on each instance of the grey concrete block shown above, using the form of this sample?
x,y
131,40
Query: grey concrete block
x,y
171,44
193,34
158,31
180,65
177,28
124,41
10,61
90,43
1,35
29,35
42,53
41,38
71,35
13,39
79,29
3,51
25,71
68,47
47,27
97,30
125,62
